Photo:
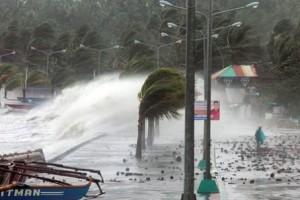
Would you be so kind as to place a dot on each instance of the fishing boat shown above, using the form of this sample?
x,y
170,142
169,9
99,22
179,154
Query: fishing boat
x,y
23,103
35,155
30,97
25,192
26,176
17,104
22,180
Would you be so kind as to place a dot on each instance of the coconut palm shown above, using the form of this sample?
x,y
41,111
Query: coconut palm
x,y
162,94
14,77
7,71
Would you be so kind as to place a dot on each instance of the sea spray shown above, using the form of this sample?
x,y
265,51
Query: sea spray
x,y
107,105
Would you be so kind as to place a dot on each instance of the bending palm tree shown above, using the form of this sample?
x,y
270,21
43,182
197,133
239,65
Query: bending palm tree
x,y
161,96
13,77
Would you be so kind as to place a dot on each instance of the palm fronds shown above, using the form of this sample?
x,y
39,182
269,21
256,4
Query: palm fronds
x,y
162,94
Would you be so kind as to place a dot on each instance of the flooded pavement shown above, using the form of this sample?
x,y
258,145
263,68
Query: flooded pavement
x,y
272,172
83,127
241,173
158,176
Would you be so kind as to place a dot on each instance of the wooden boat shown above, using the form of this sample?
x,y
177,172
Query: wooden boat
x,y
36,155
22,103
17,104
26,192
20,182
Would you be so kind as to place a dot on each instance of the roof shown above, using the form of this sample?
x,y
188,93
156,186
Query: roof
x,y
236,71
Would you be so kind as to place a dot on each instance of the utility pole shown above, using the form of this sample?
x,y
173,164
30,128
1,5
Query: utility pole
x,y
208,91
188,193
205,62
207,185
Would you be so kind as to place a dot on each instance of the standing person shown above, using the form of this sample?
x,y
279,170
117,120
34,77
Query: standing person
x,y
259,137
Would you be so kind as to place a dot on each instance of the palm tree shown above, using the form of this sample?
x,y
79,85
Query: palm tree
x,y
162,94
7,71
13,77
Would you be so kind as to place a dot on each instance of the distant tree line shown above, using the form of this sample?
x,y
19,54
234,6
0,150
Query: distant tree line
x,y
73,32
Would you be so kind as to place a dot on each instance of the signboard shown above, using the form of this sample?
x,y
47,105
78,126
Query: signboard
x,y
201,113
200,110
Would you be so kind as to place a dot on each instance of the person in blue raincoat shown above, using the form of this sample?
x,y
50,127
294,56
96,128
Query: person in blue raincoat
x,y
259,136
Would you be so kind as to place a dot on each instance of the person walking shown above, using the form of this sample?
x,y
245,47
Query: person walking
x,y
259,137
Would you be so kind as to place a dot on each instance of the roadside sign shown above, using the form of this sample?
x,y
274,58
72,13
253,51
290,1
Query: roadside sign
x,y
201,112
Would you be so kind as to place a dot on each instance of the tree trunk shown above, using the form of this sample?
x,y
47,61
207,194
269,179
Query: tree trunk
x,y
150,138
141,127
156,126
5,91
143,134
138,153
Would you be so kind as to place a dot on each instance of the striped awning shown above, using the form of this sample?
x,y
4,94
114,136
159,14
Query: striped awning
x,y
236,71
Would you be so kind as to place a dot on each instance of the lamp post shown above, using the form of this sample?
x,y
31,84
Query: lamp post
x,y
215,36
207,185
48,55
157,48
7,54
163,34
228,34
99,51
254,5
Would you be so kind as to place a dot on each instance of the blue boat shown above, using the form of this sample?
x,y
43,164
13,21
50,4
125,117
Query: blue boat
x,y
33,100
26,192
14,176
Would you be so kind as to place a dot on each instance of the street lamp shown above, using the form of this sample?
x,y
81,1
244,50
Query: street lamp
x,y
99,51
249,5
163,34
164,3
215,36
254,5
228,34
157,48
235,24
138,42
48,55
7,54
207,185
171,25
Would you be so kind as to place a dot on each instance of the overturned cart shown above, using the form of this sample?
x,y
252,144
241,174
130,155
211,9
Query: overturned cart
x,y
23,179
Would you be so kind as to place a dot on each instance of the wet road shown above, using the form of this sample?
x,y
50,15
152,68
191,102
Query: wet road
x,y
160,174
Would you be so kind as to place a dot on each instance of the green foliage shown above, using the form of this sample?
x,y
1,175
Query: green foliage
x,y
244,45
139,65
36,78
52,25
12,76
6,72
44,36
162,94
284,49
